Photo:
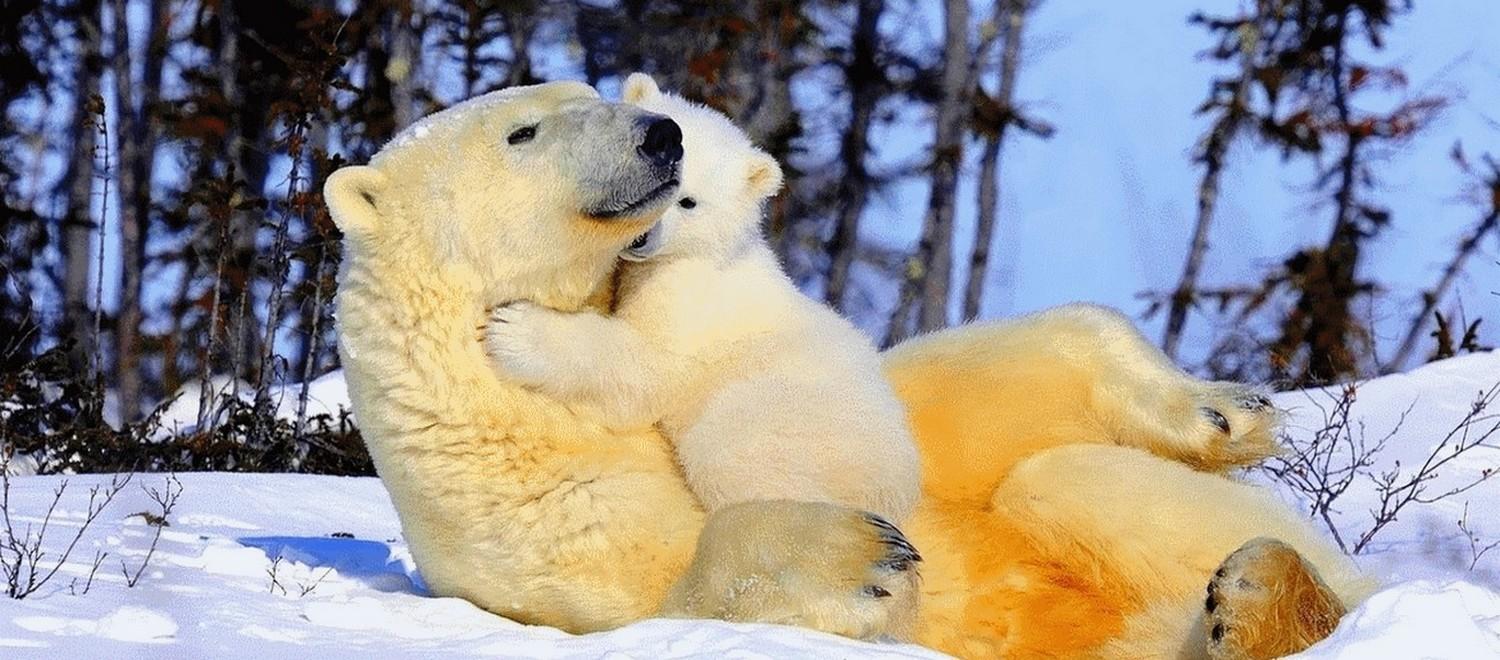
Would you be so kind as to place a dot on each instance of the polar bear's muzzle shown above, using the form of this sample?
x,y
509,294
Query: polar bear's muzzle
x,y
642,177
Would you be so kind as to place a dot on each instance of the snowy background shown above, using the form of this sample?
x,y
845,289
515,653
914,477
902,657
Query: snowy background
x,y
280,565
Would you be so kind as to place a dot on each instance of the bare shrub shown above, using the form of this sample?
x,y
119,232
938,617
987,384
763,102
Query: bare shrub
x,y
24,564
166,501
1321,468
55,416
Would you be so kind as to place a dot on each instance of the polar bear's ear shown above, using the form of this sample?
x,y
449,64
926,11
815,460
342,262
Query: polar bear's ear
x,y
764,175
353,195
640,87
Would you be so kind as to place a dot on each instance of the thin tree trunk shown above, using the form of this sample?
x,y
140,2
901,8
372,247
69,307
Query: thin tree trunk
x,y
1187,286
401,70
128,318
78,226
519,25
473,25
1433,296
1215,148
864,79
246,157
137,151
1011,14
984,229
927,284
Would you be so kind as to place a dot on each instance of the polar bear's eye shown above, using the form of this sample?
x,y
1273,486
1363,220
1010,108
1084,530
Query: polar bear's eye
x,y
687,202
523,134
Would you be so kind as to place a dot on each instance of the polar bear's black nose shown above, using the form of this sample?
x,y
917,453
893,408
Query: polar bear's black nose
x,y
663,143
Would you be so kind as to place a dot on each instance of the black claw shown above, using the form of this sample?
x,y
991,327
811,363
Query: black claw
x,y
902,553
1218,632
1211,603
882,523
876,591
1217,418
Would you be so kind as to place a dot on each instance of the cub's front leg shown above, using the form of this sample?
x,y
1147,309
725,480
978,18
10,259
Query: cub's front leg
x,y
581,358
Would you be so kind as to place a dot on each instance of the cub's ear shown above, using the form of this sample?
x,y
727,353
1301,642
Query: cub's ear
x,y
640,87
353,195
764,175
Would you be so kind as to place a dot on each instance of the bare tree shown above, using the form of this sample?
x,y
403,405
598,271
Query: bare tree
x,y
928,272
137,140
993,117
401,70
1229,101
78,180
864,79
520,23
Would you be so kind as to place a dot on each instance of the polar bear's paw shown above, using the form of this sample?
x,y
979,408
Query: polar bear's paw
x,y
1265,601
516,339
819,566
1236,425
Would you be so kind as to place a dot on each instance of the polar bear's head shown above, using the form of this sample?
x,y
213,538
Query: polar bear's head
x,y
725,179
528,191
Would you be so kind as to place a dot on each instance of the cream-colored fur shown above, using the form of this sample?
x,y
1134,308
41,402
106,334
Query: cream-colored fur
x,y
765,393
1056,518
505,497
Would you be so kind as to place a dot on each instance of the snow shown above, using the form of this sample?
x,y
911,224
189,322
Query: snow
x,y
1418,619
344,584
208,590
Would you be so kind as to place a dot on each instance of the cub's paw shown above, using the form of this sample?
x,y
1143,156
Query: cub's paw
x,y
819,566
1236,424
515,339
1265,601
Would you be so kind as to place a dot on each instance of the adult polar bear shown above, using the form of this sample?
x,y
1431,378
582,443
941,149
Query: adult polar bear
x,y
1043,536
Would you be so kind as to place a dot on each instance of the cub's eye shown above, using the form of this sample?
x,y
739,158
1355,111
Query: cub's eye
x,y
687,202
523,134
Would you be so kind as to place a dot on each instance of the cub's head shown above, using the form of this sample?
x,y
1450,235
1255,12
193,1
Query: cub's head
x,y
531,191
725,179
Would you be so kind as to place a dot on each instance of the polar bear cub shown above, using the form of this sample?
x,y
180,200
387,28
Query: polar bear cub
x,y
765,393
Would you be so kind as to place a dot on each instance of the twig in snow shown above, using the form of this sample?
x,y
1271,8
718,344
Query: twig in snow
x,y
166,500
89,583
1476,551
275,582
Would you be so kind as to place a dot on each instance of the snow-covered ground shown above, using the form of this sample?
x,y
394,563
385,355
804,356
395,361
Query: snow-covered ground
x,y
289,565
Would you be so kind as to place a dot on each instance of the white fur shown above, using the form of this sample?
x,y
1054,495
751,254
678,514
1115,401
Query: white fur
x,y
765,393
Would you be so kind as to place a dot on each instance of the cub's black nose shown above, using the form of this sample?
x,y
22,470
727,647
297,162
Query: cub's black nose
x,y
663,143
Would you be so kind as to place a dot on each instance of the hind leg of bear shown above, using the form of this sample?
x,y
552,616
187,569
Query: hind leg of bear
x,y
1147,401
991,394
1160,531
1266,601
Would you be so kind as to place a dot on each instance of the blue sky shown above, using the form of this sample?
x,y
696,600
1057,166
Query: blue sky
x,y
1103,210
